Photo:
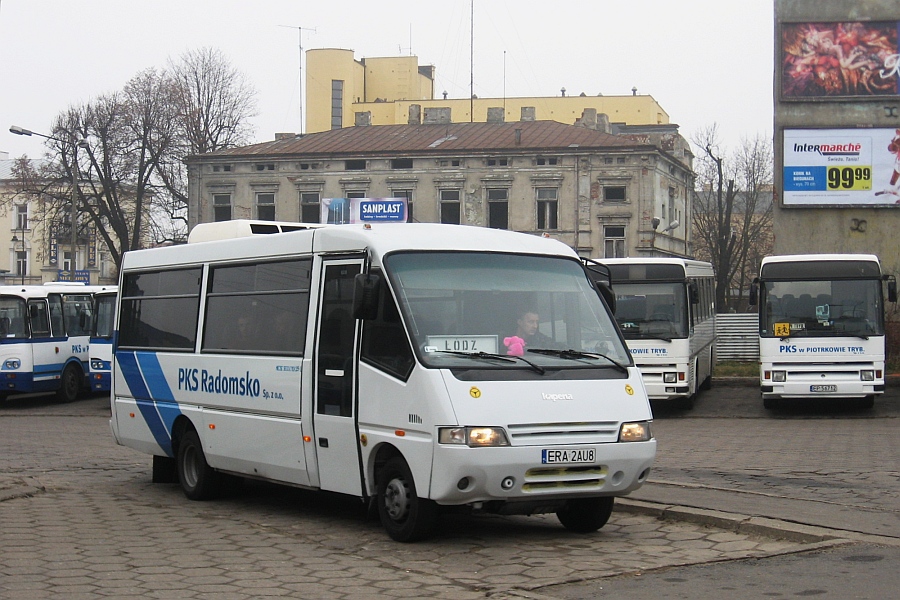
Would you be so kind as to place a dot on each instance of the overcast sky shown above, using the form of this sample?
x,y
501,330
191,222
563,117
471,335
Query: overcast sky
x,y
704,61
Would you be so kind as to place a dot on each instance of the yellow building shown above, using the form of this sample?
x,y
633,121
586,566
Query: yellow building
x,y
342,91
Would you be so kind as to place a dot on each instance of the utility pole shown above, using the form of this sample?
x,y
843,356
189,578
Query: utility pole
x,y
300,31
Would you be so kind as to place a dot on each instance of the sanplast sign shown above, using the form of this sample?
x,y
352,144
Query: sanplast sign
x,y
363,210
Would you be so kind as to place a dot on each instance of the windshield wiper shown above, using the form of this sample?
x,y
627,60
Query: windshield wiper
x,y
504,357
577,354
653,336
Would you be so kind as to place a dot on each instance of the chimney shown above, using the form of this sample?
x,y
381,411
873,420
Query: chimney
x,y
362,119
285,136
496,114
415,114
437,116
518,137
527,113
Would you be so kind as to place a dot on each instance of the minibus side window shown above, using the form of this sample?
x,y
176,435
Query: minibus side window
x,y
384,343
160,309
40,319
57,322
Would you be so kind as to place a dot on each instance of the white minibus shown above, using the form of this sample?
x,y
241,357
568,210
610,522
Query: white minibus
x,y
666,310
44,338
417,366
821,326
102,339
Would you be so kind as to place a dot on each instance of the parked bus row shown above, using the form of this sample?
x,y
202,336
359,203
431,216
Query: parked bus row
x,y
46,339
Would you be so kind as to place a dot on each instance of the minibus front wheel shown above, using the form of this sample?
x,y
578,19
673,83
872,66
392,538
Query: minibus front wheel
x,y
586,515
405,516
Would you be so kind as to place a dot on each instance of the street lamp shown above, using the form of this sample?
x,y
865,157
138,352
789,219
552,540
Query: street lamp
x,y
24,264
15,129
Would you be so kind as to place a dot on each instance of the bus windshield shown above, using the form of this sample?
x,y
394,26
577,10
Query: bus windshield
x,y
821,308
483,310
651,310
12,318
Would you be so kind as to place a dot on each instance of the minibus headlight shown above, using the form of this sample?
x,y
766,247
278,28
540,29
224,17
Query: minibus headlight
x,y
474,437
96,364
12,363
867,375
638,431
778,376
669,377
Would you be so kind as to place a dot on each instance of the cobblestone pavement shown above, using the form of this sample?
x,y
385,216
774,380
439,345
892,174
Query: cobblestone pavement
x,y
80,519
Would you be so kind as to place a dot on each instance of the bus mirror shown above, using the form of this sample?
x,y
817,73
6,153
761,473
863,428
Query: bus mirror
x,y
892,290
754,294
366,289
606,292
695,293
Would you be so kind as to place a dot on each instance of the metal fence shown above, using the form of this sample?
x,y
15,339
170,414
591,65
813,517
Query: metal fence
x,y
737,337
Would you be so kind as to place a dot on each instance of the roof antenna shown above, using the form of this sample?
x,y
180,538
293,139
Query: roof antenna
x,y
300,31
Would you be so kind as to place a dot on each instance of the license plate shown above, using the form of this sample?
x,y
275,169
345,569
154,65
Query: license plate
x,y
823,388
583,455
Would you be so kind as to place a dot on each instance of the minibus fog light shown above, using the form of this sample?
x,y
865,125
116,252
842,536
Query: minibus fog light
x,y
778,376
867,375
669,377
474,437
635,432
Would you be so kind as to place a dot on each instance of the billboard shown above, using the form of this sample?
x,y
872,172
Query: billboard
x,y
841,167
338,211
839,60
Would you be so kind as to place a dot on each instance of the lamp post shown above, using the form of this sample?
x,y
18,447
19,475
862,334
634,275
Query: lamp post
x,y
15,129
15,240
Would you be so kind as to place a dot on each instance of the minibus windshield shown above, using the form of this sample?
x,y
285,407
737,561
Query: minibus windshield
x,y
503,311
12,318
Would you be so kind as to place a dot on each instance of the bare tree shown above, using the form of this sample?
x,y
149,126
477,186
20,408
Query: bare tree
x,y
212,104
732,216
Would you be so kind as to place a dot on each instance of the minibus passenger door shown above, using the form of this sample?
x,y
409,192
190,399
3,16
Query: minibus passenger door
x,y
334,426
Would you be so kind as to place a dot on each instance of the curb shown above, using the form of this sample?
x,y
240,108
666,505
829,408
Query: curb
x,y
746,524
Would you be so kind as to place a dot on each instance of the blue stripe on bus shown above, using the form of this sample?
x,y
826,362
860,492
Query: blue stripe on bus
x,y
135,382
154,376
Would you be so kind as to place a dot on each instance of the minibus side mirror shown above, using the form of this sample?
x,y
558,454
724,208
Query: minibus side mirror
x,y
607,293
366,288
754,294
892,290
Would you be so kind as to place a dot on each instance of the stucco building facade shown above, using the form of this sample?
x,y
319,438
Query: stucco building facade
x,y
603,190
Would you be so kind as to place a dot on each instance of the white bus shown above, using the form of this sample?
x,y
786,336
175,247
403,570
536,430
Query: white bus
x,y
666,310
374,360
102,339
44,339
821,326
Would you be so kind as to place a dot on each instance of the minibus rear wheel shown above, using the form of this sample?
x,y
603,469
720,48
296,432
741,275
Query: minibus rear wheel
x,y
198,480
586,515
405,516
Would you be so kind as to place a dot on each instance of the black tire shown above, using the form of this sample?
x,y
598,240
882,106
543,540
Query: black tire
x,y
770,403
198,480
867,402
586,515
405,516
70,384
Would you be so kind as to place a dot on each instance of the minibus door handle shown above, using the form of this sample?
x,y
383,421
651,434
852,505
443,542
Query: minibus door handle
x,y
323,442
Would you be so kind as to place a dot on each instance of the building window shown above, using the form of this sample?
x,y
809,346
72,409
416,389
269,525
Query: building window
x,y
409,202
337,104
310,207
355,194
498,208
547,205
265,166
355,165
265,206
450,207
547,160
620,160
402,163
21,263
498,162
614,241
217,168
607,160
614,193
21,216
222,207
